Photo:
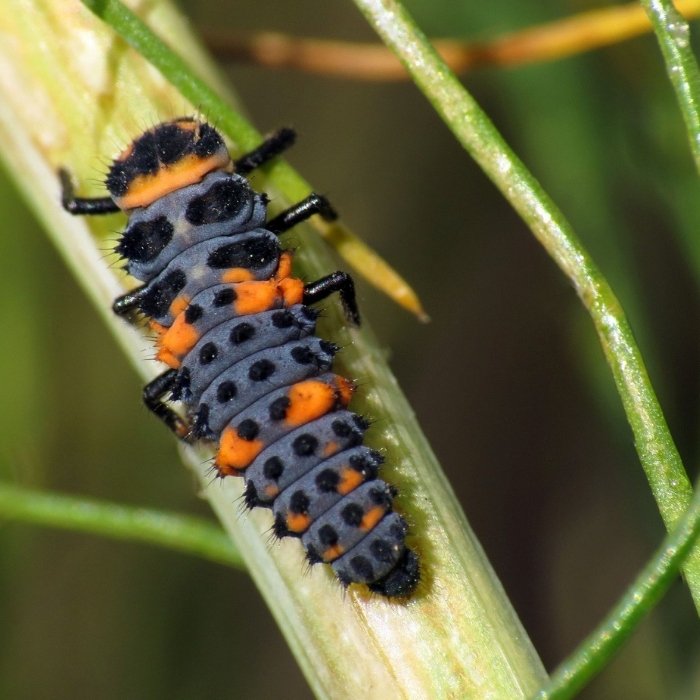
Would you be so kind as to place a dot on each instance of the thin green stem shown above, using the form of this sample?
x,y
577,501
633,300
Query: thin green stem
x,y
659,457
673,34
182,533
647,589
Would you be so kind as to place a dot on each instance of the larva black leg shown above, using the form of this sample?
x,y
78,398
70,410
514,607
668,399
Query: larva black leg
x,y
335,282
301,211
129,302
81,205
153,393
272,146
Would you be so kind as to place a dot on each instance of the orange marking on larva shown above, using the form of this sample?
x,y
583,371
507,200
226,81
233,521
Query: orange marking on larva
x,y
292,289
179,304
297,522
236,274
253,297
272,491
309,400
345,389
284,269
332,553
167,358
145,189
158,328
372,517
331,448
350,479
178,340
235,453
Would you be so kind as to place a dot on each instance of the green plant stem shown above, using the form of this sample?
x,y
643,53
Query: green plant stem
x,y
647,589
659,457
173,531
673,34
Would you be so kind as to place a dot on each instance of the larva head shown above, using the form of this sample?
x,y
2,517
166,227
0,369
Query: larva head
x,y
163,159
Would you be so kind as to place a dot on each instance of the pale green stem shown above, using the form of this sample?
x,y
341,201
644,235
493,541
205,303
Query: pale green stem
x,y
474,130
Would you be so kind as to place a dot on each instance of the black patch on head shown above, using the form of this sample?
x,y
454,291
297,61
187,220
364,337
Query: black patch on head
x,y
221,202
402,579
382,551
241,332
209,141
193,313
299,503
327,481
303,354
145,240
251,254
327,535
273,468
208,353
283,319
352,514
172,142
157,300
362,567
248,429
278,408
262,369
225,297
226,391
305,445
341,428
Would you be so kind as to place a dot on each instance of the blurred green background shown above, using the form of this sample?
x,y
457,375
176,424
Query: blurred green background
x,y
508,379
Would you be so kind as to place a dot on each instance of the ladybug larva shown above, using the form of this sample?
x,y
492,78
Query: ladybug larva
x,y
236,330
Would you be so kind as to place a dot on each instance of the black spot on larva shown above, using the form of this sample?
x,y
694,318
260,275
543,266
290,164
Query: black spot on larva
x,y
181,384
193,313
305,445
329,348
273,468
145,240
352,514
341,428
248,429
208,353
241,332
172,142
327,481
299,503
160,295
279,527
312,556
250,496
361,422
200,424
222,201
261,370
302,354
226,391
362,567
309,313
278,408
225,297
380,495
282,319
327,535
382,551
398,529
251,254
142,160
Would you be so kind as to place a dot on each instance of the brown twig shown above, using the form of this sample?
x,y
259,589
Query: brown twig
x,y
344,59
